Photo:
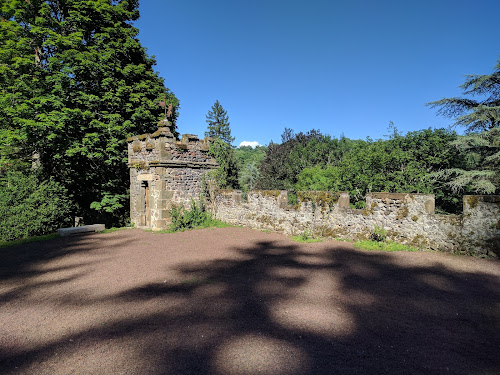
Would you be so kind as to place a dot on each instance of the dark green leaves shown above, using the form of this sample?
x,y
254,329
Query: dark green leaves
x,y
75,83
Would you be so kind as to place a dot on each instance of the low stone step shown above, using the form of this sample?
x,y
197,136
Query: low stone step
x,y
63,232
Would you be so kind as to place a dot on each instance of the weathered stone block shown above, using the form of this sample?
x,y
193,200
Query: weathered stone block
x,y
166,194
343,201
164,214
145,177
161,224
63,232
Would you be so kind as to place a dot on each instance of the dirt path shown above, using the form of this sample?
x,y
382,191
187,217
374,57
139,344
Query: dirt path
x,y
237,301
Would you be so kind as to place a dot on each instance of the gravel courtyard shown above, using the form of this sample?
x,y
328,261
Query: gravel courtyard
x,y
237,301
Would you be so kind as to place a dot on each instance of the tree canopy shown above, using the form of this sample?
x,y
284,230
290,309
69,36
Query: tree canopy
x,y
226,175
402,163
75,83
218,124
479,112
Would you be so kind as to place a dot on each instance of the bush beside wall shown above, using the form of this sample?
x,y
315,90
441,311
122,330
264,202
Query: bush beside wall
x,y
30,207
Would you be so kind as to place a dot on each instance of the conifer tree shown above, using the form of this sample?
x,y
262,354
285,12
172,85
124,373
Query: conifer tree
x,y
481,113
481,146
75,82
218,124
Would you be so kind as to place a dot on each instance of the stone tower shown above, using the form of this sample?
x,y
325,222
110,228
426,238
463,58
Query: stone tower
x,y
165,171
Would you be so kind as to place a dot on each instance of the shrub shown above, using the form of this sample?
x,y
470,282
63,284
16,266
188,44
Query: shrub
x,y
30,207
183,219
379,234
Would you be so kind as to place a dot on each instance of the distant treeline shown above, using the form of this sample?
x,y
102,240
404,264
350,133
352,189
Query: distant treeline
x,y
427,161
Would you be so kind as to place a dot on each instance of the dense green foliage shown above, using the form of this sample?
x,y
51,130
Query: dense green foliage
x,y
480,173
30,207
226,175
183,219
247,155
75,83
249,160
481,113
481,146
284,162
314,161
218,124
195,217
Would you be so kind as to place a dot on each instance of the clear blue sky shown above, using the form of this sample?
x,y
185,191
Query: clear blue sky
x,y
338,66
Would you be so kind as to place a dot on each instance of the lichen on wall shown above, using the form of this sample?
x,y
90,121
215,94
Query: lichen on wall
x,y
407,218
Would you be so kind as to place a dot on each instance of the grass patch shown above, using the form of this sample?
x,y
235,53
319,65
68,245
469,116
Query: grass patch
x,y
305,237
111,230
207,223
28,240
306,240
383,246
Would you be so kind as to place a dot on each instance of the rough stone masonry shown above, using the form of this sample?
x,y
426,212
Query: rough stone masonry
x,y
406,218
165,171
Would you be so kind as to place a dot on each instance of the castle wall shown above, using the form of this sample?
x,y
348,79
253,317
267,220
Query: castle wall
x,y
406,218
165,171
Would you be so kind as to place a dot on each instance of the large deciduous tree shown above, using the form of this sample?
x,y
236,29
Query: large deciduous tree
x,y
75,82
479,112
218,124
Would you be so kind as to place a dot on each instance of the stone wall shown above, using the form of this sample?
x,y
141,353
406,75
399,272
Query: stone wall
x,y
164,171
407,218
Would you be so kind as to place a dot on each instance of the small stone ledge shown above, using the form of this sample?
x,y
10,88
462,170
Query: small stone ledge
x,y
63,232
396,196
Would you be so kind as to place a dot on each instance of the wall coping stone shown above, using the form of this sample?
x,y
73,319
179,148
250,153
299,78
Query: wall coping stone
x,y
63,232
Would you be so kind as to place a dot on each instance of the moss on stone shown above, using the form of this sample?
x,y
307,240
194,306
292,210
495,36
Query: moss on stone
x,y
419,241
150,146
320,198
267,220
141,166
402,213
414,218
268,193
326,231
472,201
181,146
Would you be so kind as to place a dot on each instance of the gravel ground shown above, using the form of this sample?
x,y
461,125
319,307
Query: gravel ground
x,y
237,301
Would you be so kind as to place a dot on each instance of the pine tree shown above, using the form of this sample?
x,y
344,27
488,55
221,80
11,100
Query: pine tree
x,y
218,124
475,114
481,172
75,83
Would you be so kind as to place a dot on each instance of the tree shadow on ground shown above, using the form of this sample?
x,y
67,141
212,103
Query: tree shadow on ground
x,y
284,308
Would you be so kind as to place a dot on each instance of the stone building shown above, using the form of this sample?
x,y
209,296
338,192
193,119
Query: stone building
x,y
165,171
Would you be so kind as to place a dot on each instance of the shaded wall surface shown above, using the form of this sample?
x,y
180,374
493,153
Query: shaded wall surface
x,y
165,171
406,218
